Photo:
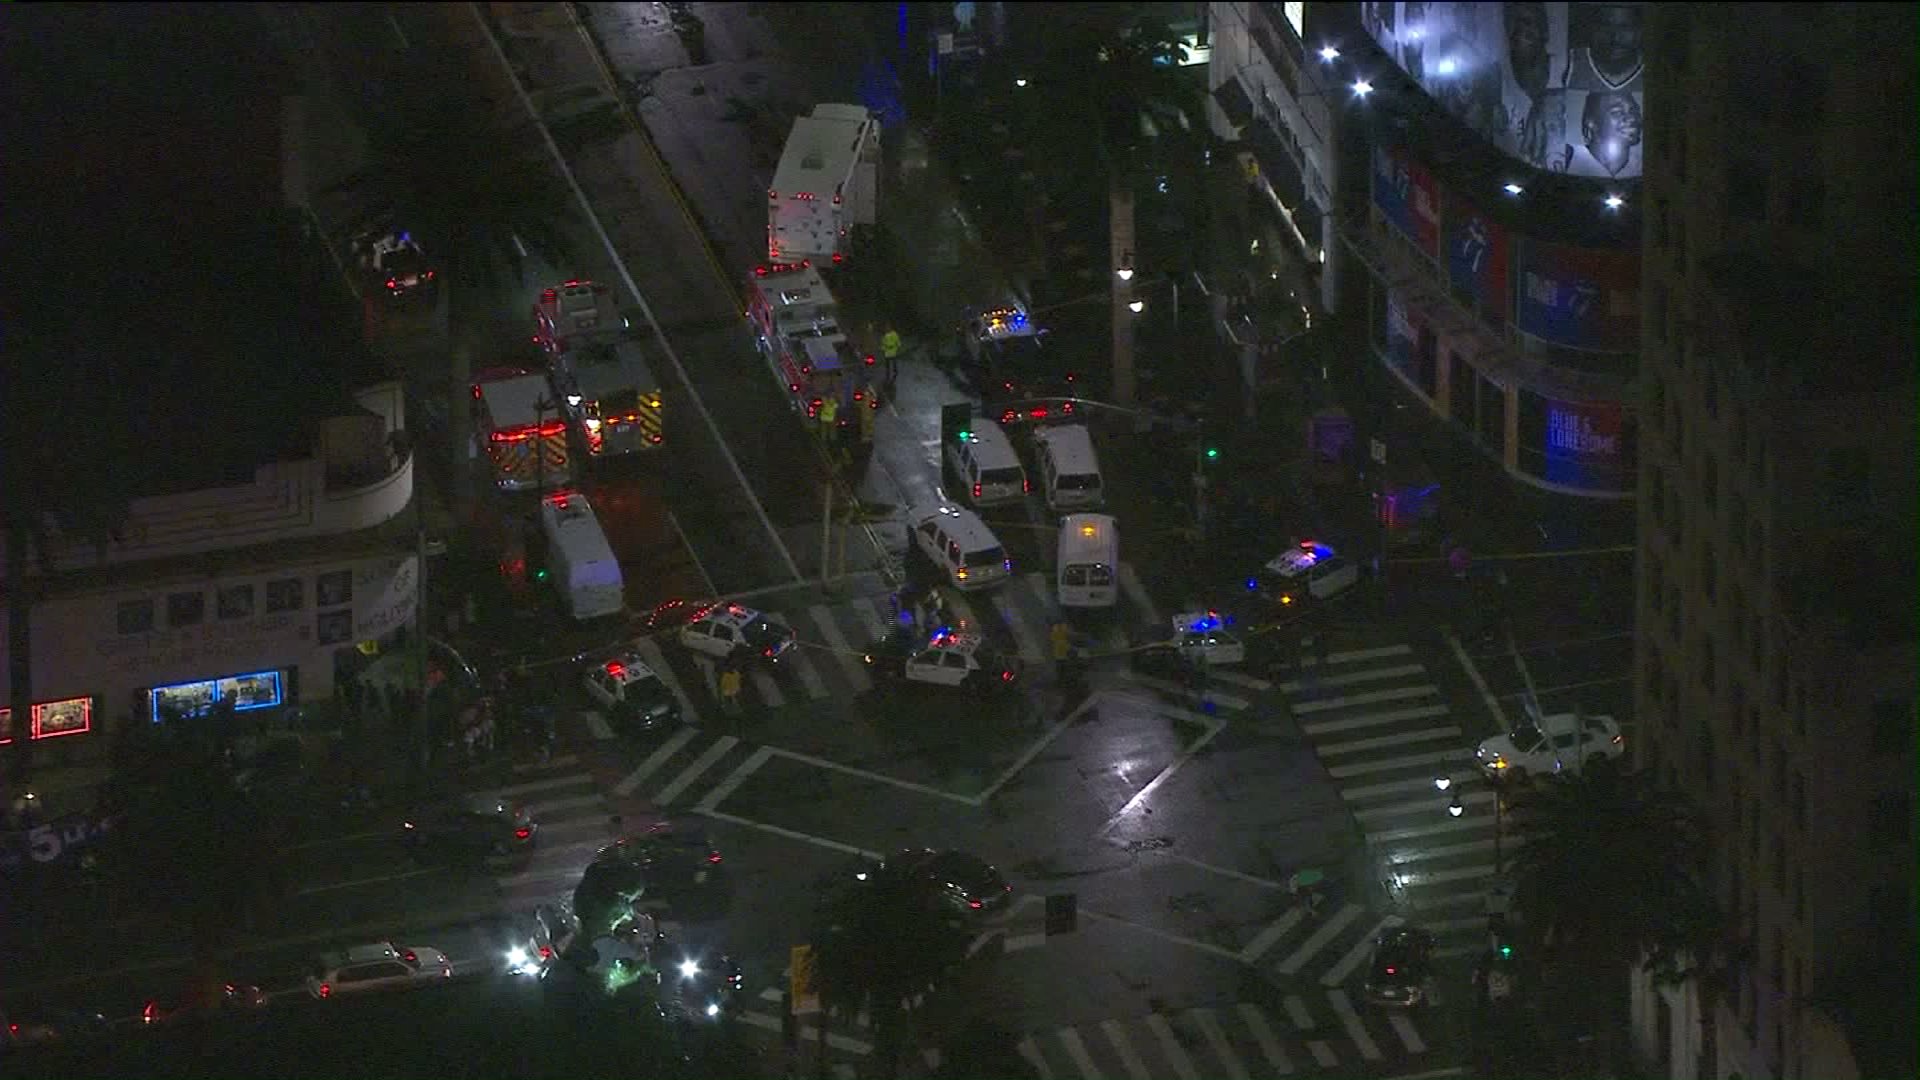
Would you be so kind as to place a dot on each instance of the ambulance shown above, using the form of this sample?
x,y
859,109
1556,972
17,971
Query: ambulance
x,y
518,423
826,183
797,323
575,313
585,572
611,396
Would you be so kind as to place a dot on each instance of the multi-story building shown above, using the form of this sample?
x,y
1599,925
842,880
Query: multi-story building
x,y
1776,648
1465,178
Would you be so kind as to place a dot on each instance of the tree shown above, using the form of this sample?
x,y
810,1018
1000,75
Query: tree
x,y
878,947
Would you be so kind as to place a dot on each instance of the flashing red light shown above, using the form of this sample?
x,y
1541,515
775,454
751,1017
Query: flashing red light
x,y
476,391
150,1012
869,359
837,257
772,195
975,904
793,387
874,403
1066,406
546,952
571,284
859,396
815,403
976,491
616,669
522,833
836,199
1009,416
803,196
806,369
530,431
1026,485
326,990
1070,376
1392,970
659,439
410,957
1006,676
713,856
1039,413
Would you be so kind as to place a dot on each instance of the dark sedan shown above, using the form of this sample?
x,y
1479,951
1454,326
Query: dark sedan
x,y
956,882
1402,967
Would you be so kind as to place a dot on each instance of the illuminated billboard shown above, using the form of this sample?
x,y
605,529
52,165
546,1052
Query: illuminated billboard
x,y
1583,298
1556,85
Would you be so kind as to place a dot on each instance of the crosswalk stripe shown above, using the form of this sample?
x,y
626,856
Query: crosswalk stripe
x,y
1355,656
1256,1022
1327,932
654,760
1351,678
1438,828
769,691
1170,1046
1265,939
1238,678
1217,1039
1077,1050
868,611
735,778
1448,926
1351,1021
1347,701
803,666
558,761
1423,807
1137,593
1230,701
549,784
1123,1046
1447,851
1296,1007
657,660
692,772
1031,1053
1402,1025
1389,787
1323,1055
1023,635
709,675
554,806
1378,741
851,663
1342,772
1444,877
1390,716
597,725
1337,975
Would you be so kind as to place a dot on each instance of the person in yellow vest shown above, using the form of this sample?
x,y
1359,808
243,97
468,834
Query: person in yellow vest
x,y
730,690
829,417
869,414
890,351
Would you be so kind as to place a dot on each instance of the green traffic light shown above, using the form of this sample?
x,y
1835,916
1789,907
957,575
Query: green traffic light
x,y
1213,453
1506,952
540,574
964,436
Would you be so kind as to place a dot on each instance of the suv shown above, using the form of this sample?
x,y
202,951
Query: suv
x,y
985,465
676,861
632,694
960,546
379,966
1402,967
1307,571
483,827
730,631
1547,744
1004,356
947,659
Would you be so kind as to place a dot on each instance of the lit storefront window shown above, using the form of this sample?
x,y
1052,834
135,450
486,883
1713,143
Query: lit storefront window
x,y
259,690
51,719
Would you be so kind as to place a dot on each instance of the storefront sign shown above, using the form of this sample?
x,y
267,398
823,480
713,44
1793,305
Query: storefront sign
x,y
1477,262
74,716
259,690
1407,195
1583,298
386,598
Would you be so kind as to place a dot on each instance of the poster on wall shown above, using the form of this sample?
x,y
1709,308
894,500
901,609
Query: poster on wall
x,y
1477,263
1405,191
1582,298
1586,445
1557,85
1402,337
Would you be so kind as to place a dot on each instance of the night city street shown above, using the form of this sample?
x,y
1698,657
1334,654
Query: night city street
x,y
1395,736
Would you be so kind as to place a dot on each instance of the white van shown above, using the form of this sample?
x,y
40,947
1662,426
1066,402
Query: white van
x,y
1089,561
584,569
960,545
984,462
1069,471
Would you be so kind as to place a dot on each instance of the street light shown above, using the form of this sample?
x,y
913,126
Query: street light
x,y
1329,54
1361,88
1021,83
1125,270
1136,306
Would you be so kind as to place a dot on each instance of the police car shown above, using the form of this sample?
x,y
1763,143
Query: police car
x,y
1309,570
1192,639
730,631
949,658
1005,355
631,693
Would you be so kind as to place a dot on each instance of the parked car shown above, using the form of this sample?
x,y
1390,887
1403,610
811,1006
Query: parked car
x,y
380,965
233,998
1401,970
1549,745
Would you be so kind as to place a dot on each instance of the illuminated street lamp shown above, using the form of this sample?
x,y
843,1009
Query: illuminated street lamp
x,y
1361,88
1136,306
1125,270
1329,54
1020,82
1614,202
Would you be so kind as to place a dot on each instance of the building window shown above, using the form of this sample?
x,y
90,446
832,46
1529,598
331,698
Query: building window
x,y
286,594
1747,189
234,602
1892,724
333,589
134,616
1753,833
1800,801
1890,818
186,608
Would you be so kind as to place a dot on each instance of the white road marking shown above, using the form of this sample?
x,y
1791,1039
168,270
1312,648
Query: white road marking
x,y
1451,952
1222,871
867,609
1026,756
558,761
1395,764
1217,1039
1442,851
1479,682
1165,686
1391,716
597,725
1327,932
1123,1046
649,651
1337,975
769,691
1031,1052
770,994
1322,1054
801,661
1371,697
1251,682
1424,807
852,663
1191,943
707,760
554,806
1447,926
878,778
654,760
1265,939
1379,741
549,784
1256,1022
1077,1050
709,674
1351,678
338,885
1137,594
791,834
1145,793
1176,1054
1354,656
1031,650
1443,877
1390,787
735,778
1296,1007
1351,1021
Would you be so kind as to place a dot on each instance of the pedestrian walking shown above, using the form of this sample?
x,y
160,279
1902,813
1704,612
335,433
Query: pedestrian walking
x,y
890,345
730,689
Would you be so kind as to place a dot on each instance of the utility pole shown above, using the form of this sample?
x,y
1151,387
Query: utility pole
x,y
424,756
1120,217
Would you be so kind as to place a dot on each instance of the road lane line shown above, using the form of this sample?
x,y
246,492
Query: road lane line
x,y
1378,742
1153,785
1390,716
554,806
1077,1050
809,1033
868,774
707,760
1553,691
1327,932
1296,1007
1217,1039
1402,1025
1031,1052
1167,686
1251,682
1123,1046
802,662
654,760
852,663
734,779
1024,637
791,834
1424,807
1355,656
1396,764
1203,946
1479,681
1170,1047
649,651
1026,756
1222,871
1256,1022
1372,697
1351,1021
1265,939
1337,975
1351,678
769,691
552,782
1137,593
597,725
315,890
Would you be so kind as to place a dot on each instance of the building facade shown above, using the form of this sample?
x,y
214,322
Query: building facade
x,y
1775,675
1466,178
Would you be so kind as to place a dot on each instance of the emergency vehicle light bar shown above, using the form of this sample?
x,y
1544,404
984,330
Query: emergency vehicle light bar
x,y
781,268
530,431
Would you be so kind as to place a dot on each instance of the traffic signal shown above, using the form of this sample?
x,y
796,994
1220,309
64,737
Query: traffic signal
x,y
956,422
1506,951
540,574
1211,453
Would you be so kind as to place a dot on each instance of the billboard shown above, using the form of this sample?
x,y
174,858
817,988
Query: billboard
x,y
1556,85
1405,191
1583,298
1581,444
1477,260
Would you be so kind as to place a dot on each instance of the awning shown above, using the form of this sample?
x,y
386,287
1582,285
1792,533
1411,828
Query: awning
x,y
1277,165
1233,100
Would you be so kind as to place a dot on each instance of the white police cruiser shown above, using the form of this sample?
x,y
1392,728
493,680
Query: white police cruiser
x,y
949,658
632,694
1309,570
730,631
1193,639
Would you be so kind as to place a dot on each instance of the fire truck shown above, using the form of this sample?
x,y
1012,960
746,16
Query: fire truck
x,y
811,356
826,183
600,375
516,419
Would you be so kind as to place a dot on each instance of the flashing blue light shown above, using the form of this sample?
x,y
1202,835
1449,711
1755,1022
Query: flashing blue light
x,y
406,238
906,618
1205,623
1253,584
